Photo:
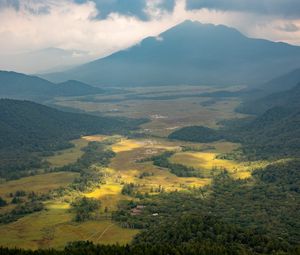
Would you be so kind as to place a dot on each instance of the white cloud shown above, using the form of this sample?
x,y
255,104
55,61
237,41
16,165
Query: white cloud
x,y
66,25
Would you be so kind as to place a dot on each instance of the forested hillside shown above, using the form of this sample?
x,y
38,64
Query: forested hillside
x,y
276,133
27,128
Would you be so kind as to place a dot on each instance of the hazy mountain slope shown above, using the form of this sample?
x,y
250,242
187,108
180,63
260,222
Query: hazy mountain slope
x,y
289,99
21,86
76,88
190,53
284,82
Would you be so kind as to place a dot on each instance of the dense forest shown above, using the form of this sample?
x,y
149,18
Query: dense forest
x,y
28,130
255,216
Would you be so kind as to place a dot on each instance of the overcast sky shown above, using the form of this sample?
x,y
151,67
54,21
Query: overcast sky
x,y
37,35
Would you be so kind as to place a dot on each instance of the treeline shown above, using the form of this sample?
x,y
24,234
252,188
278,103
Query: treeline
x,y
197,134
29,130
179,170
85,208
197,248
256,216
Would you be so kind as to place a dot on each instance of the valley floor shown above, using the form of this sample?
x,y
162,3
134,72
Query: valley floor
x,y
169,110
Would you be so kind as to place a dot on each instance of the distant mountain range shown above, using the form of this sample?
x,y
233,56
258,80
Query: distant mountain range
x,y
190,53
21,86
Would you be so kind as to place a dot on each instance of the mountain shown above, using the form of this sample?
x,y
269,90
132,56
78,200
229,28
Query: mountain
x,y
288,99
21,86
76,88
190,53
28,128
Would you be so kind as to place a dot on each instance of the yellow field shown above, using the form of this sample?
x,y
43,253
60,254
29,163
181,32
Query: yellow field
x,y
126,145
208,160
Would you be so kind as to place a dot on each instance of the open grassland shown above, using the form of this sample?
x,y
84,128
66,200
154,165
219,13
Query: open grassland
x,y
54,228
208,162
168,108
40,184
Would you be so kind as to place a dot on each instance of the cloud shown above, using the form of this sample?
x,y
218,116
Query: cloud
x,y
289,27
283,8
28,26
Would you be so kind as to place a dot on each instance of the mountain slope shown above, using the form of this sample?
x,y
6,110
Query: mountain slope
x,y
28,128
284,82
21,86
288,99
190,53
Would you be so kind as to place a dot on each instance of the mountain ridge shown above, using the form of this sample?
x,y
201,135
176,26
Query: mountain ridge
x,y
190,53
21,86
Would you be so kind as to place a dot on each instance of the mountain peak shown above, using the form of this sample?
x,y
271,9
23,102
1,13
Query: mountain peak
x,y
190,53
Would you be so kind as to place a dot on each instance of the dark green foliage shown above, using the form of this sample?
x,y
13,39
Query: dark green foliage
x,y
128,189
94,153
84,208
2,202
21,210
177,169
198,248
196,134
28,129
145,174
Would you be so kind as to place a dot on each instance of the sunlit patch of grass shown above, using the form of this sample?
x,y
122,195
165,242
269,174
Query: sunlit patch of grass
x,y
126,145
209,161
94,138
